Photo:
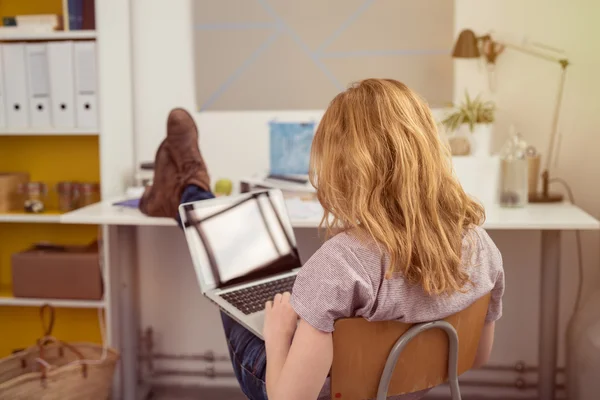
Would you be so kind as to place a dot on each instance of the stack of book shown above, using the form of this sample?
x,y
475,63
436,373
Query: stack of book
x,y
77,15
80,13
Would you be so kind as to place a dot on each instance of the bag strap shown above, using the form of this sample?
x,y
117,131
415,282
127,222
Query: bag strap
x,y
42,360
48,338
45,366
47,329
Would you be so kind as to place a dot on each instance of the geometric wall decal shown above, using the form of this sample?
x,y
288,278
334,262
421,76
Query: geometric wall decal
x,y
297,55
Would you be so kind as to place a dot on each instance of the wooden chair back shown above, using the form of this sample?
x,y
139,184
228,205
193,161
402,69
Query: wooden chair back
x,y
361,348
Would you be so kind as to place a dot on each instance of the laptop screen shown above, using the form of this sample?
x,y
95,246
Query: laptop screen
x,y
240,238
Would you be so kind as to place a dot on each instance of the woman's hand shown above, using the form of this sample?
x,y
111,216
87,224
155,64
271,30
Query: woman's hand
x,y
280,320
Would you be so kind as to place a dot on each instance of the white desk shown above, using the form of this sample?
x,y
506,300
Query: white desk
x,y
120,222
562,216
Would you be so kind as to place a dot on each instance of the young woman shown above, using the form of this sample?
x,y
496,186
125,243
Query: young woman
x,y
405,243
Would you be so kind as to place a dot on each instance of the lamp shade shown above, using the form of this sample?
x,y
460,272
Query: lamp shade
x,y
466,45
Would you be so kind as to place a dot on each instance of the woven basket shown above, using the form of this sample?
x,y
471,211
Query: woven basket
x,y
55,370
24,377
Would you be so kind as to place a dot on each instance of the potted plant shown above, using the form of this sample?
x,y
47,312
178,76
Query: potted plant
x,y
477,116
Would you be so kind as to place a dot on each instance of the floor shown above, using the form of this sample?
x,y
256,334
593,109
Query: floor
x,y
172,393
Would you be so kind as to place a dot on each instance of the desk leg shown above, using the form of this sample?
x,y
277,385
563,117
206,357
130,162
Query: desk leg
x,y
129,310
122,261
549,305
112,299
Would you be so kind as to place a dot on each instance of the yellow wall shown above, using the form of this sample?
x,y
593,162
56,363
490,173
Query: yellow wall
x,y
51,159
10,8
21,327
19,237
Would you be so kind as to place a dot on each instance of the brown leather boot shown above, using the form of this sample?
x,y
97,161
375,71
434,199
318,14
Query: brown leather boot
x,y
178,163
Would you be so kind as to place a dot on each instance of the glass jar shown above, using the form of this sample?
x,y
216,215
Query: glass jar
x,y
67,196
34,196
514,176
88,193
514,183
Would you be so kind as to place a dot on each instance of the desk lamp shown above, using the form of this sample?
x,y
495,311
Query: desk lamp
x,y
468,46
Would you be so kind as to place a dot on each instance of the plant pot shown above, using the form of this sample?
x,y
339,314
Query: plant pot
x,y
481,140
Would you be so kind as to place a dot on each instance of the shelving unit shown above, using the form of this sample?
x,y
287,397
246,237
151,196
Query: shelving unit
x,y
49,155
19,35
48,132
57,303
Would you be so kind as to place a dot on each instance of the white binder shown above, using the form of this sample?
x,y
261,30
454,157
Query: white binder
x,y
86,112
2,103
38,80
62,84
15,86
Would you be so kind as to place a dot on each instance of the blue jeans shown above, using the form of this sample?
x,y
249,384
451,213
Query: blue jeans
x,y
247,351
193,193
248,357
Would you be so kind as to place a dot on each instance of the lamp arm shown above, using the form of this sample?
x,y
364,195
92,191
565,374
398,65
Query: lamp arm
x,y
562,61
555,119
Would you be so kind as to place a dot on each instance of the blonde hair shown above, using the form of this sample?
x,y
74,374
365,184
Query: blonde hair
x,y
381,169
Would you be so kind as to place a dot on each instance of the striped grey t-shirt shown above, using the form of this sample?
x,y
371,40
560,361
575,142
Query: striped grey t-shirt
x,y
346,278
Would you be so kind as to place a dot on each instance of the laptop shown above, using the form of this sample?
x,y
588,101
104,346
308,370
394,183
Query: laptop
x,y
243,250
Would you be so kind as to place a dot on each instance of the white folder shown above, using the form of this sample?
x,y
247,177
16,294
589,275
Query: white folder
x,y
2,103
15,86
86,84
38,79
62,84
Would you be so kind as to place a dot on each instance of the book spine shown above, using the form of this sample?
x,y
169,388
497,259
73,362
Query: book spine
x,y
72,18
89,15
65,15
79,14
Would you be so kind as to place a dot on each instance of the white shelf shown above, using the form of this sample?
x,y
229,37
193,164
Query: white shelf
x,y
48,132
31,218
25,302
16,35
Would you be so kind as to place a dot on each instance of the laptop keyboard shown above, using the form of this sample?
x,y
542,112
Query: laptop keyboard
x,y
252,299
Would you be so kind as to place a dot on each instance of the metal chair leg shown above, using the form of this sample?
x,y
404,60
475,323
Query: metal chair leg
x,y
390,364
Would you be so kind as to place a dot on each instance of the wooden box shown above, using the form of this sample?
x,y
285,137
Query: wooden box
x,y
9,190
57,272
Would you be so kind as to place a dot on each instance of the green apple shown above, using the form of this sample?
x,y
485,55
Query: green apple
x,y
223,187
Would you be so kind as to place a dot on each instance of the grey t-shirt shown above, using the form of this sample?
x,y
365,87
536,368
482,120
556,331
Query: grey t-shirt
x,y
346,278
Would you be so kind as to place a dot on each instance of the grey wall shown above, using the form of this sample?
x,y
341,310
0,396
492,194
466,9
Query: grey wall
x,y
298,54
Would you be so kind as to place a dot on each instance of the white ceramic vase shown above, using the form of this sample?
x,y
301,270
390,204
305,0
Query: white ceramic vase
x,y
481,140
